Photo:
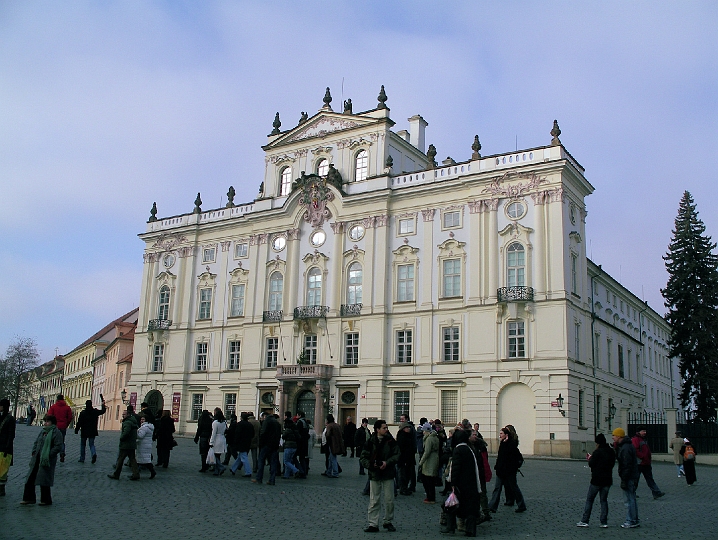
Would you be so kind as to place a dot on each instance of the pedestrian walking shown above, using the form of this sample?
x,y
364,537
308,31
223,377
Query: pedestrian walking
x,y
269,437
218,442
7,436
242,442
31,414
406,440
254,446
508,462
465,482
63,415
335,447
643,454
87,427
165,439
350,429
128,446
47,446
202,436
361,436
380,456
144,445
689,453
429,463
629,473
675,445
601,463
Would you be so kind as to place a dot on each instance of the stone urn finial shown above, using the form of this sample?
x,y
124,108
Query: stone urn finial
x,y
153,213
555,132
230,197
197,205
476,147
327,99
276,125
431,154
382,98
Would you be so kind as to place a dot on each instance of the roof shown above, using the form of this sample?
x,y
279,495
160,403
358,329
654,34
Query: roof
x,y
97,335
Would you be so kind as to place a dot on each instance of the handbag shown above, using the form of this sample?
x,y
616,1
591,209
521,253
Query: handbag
x,y
211,460
452,501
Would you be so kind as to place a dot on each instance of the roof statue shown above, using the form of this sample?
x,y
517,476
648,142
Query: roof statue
x,y
276,125
382,98
197,205
555,132
476,147
303,118
230,197
153,213
327,100
348,106
431,154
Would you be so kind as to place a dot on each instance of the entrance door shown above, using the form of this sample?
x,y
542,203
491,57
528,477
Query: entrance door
x,y
305,403
516,407
155,401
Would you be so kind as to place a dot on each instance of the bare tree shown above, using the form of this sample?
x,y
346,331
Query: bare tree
x,y
20,357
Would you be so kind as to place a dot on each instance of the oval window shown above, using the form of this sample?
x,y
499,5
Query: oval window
x,y
279,243
515,210
356,232
318,238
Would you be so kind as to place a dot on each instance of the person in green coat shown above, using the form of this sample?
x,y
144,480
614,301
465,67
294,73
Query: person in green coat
x,y
429,463
128,446
42,463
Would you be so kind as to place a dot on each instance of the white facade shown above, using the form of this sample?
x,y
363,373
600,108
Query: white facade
x,y
448,292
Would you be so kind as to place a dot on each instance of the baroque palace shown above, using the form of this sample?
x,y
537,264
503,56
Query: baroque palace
x,y
368,280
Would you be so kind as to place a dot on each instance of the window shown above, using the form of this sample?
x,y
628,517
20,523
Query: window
x,y
406,226
279,243
403,346
452,219
318,238
597,349
197,401
208,254
272,351
356,233
205,303
451,344
621,372
158,354
608,354
405,283
286,186
351,348
610,419
314,287
516,266
163,311
517,348
574,276
354,284
201,358
310,348
322,167
452,278
450,407
515,210
233,360
577,341
598,412
241,250
581,419
237,308
360,166
401,404
276,285
230,405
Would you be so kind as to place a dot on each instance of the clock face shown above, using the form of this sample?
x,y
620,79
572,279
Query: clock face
x,y
279,243
168,260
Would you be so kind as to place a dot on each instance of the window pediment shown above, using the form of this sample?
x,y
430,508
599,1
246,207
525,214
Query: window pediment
x,y
207,279
451,248
406,253
239,275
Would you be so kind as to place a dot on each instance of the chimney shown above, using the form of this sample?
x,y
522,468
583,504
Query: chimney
x,y
417,125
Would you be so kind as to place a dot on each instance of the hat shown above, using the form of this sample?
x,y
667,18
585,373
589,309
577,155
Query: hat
x,y
426,427
403,425
600,439
619,432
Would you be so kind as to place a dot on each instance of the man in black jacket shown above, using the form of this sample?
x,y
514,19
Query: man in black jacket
x,y
7,436
407,457
380,456
629,473
601,462
360,438
87,426
269,436
241,442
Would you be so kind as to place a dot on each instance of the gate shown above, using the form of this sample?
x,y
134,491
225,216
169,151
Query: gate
x,y
704,435
656,429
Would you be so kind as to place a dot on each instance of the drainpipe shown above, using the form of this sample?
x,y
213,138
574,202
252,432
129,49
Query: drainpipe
x,y
593,350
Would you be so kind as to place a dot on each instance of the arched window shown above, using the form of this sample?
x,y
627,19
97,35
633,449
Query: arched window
x,y
163,310
354,284
360,166
515,265
286,181
276,286
322,167
314,287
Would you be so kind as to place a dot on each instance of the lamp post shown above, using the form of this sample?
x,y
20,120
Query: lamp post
x,y
123,395
560,401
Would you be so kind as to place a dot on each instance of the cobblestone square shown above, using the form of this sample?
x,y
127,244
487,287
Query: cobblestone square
x,y
182,503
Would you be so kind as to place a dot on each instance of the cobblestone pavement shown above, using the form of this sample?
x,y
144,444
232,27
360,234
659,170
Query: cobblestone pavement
x,y
181,503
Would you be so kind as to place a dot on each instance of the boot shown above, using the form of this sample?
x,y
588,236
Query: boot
x,y
450,526
470,526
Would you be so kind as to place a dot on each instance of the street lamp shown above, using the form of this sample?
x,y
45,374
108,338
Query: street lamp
x,y
611,413
123,395
559,401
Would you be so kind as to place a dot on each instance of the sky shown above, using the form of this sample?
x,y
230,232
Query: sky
x,y
107,107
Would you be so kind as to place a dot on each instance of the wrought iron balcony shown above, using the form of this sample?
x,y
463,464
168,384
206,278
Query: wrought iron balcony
x,y
515,294
310,312
159,324
272,316
305,372
348,310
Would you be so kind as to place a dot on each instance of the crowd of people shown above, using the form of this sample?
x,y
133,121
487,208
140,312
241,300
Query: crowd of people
x,y
453,460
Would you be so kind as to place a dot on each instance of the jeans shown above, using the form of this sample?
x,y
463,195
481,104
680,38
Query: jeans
x,y
64,432
243,460
629,499
680,470
377,489
333,468
254,459
513,493
271,455
83,440
602,491
218,467
647,472
289,467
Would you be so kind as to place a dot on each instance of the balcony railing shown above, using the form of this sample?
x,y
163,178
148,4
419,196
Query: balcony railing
x,y
310,312
159,324
305,371
515,294
272,316
348,310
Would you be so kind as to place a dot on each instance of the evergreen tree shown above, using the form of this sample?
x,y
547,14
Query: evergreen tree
x,y
691,297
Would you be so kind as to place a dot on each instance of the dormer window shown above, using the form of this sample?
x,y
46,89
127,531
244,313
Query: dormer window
x,y
286,186
361,166
323,167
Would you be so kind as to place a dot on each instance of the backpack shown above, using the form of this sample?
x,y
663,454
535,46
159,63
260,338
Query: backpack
x,y
519,459
689,454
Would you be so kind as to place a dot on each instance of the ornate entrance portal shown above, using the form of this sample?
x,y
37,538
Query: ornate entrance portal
x,y
305,403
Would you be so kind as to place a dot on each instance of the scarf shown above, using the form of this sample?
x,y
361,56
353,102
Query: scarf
x,y
45,453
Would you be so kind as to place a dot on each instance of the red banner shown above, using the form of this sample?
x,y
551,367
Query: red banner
x,y
176,398
133,400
